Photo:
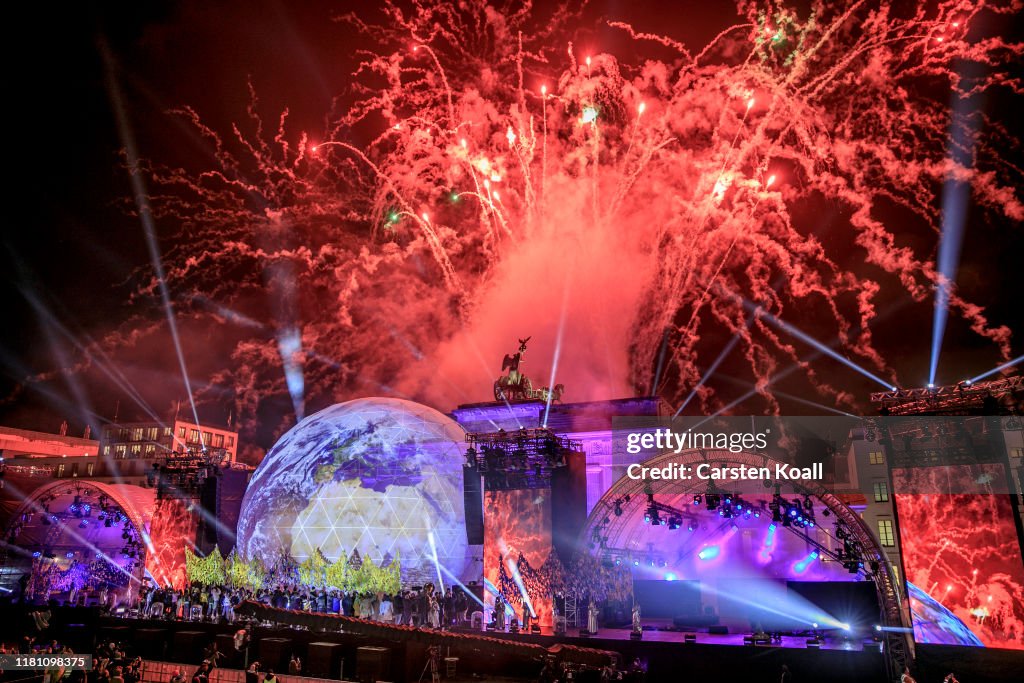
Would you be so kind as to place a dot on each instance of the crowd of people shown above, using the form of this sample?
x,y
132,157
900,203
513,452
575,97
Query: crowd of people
x,y
417,606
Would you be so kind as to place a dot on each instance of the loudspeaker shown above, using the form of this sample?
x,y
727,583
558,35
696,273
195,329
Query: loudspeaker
x,y
232,659
372,663
473,496
323,660
221,496
150,643
275,653
188,645
208,499
568,505
718,630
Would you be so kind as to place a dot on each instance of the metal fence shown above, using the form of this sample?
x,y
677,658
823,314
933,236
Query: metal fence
x,y
162,672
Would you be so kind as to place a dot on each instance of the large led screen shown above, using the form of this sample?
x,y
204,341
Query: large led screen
x,y
961,556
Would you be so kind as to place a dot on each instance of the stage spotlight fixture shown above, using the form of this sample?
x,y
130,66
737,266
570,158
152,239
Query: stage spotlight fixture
x,y
712,500
691,526
618,508
878,627
636,563
709,553
36,554
69,555
697,499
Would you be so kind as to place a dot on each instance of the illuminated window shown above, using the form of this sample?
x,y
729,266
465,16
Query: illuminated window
x,y
137,434
881,492
106,450
218,441
193,436
150,450
152,433
136,450
231,441
1017,452
876,458
60,470
885,535
89,468
74,469
181,432
168,431
120,451
207,438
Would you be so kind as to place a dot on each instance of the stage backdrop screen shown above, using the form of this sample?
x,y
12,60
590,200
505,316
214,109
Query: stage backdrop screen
x,y
517,524
961,555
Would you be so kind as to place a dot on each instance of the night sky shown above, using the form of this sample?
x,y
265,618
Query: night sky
x,y
72,253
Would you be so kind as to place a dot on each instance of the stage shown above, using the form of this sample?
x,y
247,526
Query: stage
x,y
662,653
659,632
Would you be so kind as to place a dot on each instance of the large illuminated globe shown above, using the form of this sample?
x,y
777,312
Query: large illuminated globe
x,y
379,475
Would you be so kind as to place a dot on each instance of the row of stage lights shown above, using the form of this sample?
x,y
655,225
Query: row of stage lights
x,y
792,513
80,510
729,506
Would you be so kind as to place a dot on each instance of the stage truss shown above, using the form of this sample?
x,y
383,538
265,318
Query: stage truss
x,y
132,503
964,398
604,523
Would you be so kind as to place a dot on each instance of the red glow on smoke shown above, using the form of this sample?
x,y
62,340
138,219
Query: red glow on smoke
x,y
962,550
625,229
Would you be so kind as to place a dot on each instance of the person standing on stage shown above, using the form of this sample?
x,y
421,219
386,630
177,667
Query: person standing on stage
x,y
347,604
434,609
499,613
399,607
387,610
461,605
592,612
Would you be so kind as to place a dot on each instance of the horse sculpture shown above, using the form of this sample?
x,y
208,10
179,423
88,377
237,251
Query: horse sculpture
x,y
515,386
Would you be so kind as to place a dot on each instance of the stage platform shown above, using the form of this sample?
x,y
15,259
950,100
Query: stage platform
x,y
656,633
664,654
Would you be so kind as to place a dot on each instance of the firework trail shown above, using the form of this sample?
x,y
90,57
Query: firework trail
x,y
502,163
